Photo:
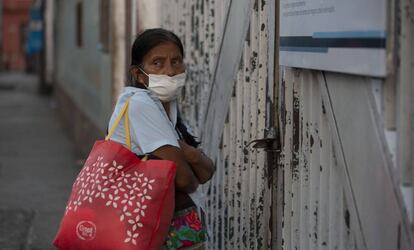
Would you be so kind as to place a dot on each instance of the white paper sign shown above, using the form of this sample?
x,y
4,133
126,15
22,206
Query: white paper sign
x,y
335,35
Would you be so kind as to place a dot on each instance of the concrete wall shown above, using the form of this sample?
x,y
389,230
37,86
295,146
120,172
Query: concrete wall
x,y
83,74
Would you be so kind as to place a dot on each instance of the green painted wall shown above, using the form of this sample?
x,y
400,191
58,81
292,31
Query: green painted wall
x,y
84,72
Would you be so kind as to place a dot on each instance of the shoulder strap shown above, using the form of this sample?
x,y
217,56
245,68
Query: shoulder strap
x,y
124,113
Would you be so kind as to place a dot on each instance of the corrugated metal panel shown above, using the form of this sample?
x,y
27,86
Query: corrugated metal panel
x,y
324,200
315,214
406,113
199,24
340,177
339,192
239,194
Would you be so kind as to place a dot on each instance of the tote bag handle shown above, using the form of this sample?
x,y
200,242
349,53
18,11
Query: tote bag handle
x,y
124,113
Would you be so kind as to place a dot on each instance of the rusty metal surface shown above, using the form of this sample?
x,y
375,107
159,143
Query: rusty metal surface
x,y
339,192
239,197
317,199
314,211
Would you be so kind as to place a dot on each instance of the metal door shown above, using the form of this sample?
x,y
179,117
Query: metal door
x,y
239,196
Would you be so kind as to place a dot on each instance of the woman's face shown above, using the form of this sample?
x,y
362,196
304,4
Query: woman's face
x,y
164,59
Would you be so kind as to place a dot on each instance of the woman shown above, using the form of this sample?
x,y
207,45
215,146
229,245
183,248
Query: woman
x,y
158,74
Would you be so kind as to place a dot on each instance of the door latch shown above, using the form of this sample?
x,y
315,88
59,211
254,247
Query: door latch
x,y
270,143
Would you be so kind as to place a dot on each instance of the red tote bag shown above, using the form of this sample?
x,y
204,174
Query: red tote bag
x,y
118,201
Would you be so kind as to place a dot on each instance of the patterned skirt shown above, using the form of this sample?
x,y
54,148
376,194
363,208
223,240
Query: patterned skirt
x,y
186,231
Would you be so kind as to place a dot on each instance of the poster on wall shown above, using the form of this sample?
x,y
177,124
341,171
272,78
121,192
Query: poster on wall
x,y
334,35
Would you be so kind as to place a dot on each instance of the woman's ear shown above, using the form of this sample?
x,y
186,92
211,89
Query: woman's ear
x,y
138,76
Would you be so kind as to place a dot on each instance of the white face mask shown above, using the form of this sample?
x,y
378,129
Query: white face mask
x,y
166,87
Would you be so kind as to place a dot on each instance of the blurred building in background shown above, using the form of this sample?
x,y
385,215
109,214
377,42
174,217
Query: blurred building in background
x,y
83,75
91,58
314,150
15,19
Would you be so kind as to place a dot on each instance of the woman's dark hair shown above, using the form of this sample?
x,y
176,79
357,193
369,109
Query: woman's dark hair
x,y
183,131
149,39
146,41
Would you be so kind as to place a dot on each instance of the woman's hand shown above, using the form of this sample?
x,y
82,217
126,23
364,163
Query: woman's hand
x,y
202,166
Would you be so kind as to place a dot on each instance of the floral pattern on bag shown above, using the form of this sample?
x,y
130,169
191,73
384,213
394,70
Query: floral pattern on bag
x,y
108,182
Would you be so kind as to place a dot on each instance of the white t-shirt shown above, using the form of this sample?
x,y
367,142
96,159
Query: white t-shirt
x,y
150,126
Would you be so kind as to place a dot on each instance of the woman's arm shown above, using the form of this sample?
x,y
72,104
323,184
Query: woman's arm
x,y
151,131
202,166
185,180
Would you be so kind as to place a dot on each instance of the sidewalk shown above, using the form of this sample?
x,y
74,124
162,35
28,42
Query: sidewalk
x,y
37,166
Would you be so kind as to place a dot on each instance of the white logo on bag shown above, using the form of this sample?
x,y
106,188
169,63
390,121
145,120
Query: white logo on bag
x,y
86,230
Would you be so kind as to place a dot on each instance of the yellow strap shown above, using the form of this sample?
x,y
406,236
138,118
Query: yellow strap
x,y
144,158
124,110
127,132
